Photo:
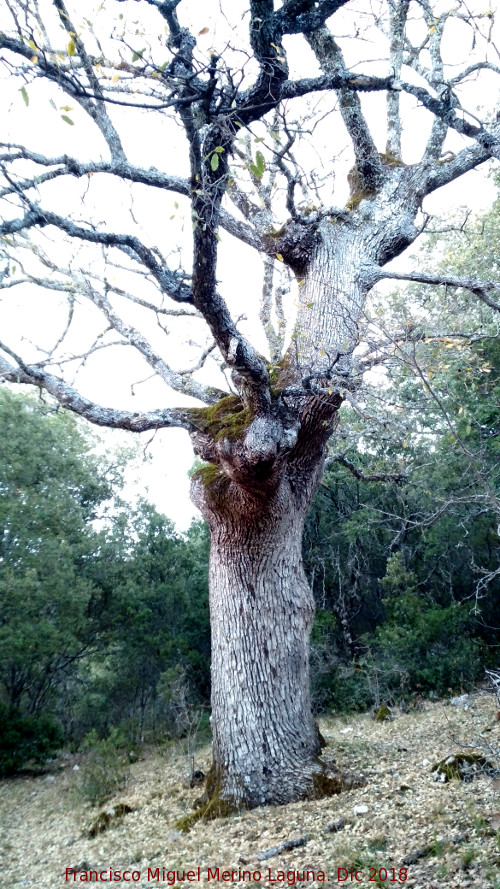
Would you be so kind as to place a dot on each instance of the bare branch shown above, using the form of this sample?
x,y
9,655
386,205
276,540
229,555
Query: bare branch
x,y
265,38
70,166
478,288
96,109
275,342
342,460
329,55
94,413
397,16
171,283
304,16
179,381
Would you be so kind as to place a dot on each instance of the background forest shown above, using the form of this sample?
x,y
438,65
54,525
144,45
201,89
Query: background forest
x,y
104,626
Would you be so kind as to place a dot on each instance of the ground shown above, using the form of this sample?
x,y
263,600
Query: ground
x,y
450,830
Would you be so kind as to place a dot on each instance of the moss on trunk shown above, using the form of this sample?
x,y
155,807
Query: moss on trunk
x,y
227,418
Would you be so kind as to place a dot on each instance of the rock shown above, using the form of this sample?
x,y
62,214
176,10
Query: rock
x,y
464,766
197,777
107,817
50,778
345,731
174,835
462,701
76,767
361,810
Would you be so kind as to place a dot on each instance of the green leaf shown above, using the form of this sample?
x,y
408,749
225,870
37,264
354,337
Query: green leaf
x,y
53,104
67,119
219,149
258,168
71,48
138,54
214,162
25,96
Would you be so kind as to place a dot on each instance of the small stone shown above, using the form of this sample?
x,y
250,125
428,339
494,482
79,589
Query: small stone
x,y
462,701
76,767
345,731
174,835
50,778
361,810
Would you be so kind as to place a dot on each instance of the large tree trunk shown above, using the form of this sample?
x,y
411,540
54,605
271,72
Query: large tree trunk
x,y
266,744
265,739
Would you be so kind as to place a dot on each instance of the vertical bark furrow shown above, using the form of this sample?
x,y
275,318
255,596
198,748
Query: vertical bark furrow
x,y
265,739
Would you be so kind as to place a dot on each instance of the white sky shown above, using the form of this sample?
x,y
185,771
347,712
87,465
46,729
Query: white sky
x,y
109,377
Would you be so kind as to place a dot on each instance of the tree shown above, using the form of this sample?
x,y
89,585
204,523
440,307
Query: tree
x,y
151,605
91,616
50,491
266,422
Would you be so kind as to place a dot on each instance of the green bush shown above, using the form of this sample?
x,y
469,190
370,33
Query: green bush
x,y
26,740
104,767
352,691
422,649
433,646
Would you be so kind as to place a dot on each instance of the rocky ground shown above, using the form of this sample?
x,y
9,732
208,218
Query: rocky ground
x,y
402,828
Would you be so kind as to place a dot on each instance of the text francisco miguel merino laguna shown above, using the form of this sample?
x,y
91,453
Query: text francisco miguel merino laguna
x,y
218,875
215,874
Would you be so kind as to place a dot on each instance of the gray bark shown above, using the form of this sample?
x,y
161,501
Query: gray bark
x,y
265,741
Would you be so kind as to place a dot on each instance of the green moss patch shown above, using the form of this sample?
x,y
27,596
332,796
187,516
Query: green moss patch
x,y
211,806
213,479
328,780
227,418
107,817
281,375
390,160
358,196
208,811
325,784
463,766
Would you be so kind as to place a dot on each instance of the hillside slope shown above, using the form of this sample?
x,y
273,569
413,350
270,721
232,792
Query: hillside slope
x,y
426,833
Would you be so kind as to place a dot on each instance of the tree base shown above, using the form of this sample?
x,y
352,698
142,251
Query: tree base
x,y
326,780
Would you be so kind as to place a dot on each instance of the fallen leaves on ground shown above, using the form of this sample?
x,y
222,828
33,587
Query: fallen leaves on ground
x,y
447,831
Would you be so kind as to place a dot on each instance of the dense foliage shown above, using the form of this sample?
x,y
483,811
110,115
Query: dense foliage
x,y
102,610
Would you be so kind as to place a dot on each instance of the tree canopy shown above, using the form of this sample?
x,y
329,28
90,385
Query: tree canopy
x,y
260,182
